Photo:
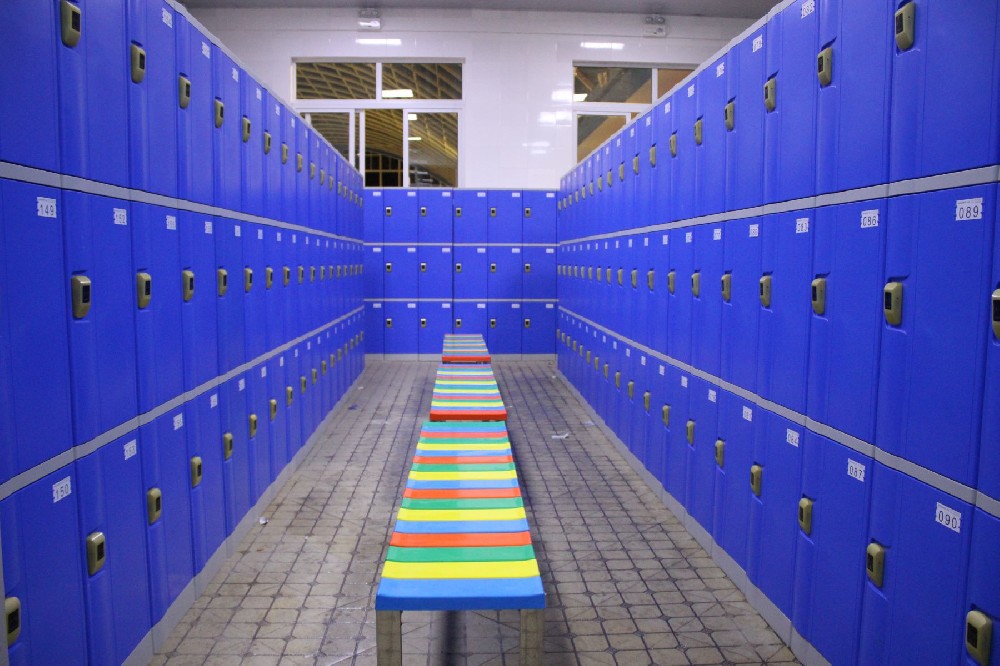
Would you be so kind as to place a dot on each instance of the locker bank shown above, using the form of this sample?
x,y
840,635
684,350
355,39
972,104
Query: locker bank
x,y
736,264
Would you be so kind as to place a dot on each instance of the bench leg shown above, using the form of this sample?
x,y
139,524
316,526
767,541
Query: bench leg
x,y
532,636
389,638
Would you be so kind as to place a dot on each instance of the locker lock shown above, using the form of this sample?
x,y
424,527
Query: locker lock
x,y
527,268
286,276
423,211
138,58
720,453
70,18
299,163
892,303
996,314
600,184
621,171
652,157
493,323
588,357
689,431
183,91
770,92
824,66
730,115
289,396
727,286
227,446
493,268
315,376
197,469
458,267
527,323
607,275
246,129
388,267
493,212
597,362
143,289
458,211
635,278
323,366
696,284
423,266
247,279
154,505
906,18
253,425
875,563
267,143
97,552
671,281
312,273
582,348
978,636
609,179
650,279
458,322
606,369
81,289
590,273
302,274
673,144
312,170
698,127
268,277
527,211
12,611
756,472
806,515
665,415
646,397
635,170
819,296
187,284
220,112
618,379
303,383
765,291
621,274
284,153
322,176
631,390
423,322
322,272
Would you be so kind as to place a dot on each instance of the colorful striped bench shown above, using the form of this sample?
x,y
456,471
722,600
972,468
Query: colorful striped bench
x,y
466,393
463,348
461,539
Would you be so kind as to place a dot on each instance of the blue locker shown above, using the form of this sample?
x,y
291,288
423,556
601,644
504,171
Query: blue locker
x,y
373,214
199,318
679,289
31,103
236,457
277,416
289,166
102,340
166,482
94,76
733,463
932,362
254,289
777,474
710,138
401,323
921,535
271,124
830,548
252,146
374,328
784,291
227,137
503,225
258,431
402,211
659,419
740,301
852,128
471,317
229,288
202,418
625,294
682,185
638,277
539,325
706,298
471,271
42,562
374,271
745,131
290,285
633,168
927,136
646,180
989,467
790,103
152,97
538,221
702,432
676,448
317,220
845,326
612,218
638,421
275,289
661,172
434,279
435,322
539,278
112,526
402,270
658,298
983,596
504,333
505,268
293,401
469,216
303,146
196,119
613,406
434,222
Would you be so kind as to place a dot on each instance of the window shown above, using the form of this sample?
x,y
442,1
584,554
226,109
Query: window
x,y
594,130
335,80
627,85
421,80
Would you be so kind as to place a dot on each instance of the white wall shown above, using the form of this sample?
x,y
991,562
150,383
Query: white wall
x,y
517,128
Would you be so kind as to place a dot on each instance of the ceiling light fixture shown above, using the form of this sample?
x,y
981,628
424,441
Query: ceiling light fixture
x,y
399,93
580,97
411,117
378,41
607,46
413,138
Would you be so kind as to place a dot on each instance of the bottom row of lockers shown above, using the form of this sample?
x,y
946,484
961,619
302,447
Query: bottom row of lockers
x,y
95,553
871,565
417,327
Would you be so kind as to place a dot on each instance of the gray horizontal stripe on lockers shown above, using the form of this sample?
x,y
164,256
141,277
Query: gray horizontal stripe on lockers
x,y
395,244
461,300
980,176
73,183
953,488
79,451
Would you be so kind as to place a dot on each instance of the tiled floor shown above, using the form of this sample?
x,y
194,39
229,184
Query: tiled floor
x,y
626,583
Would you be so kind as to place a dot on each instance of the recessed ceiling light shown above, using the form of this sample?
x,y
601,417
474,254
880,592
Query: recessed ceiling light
x,y
378,41
413,138
411,117
608,46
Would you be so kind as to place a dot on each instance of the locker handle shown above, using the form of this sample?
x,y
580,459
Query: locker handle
x,y
197,469
905,22
607,274
423,322
284,153
610,180
720,453
651,279
458,322
493,212
388,267
247,279
423,266
527,210
588,357
267,143
756,474
268,277
493,268
154,505
698,125
12,610
875,563
996,314
302,274
143,289
671,281
227,446
312,170
323,366
582,348
97,552
458,211
819,296
138,61
322,273
527,268
606,368
646,397
493,323
315,376
81,289
299,163
590,273
824,66
689,431
597,363
527,322
322,176
303,383
423,211
696,284
765,291
730,115
621,171
246,129
631,390
220,112
388,322
665,415
600,183
770,94
652,156
70,18
978,636
183,91
621,274
252,425
458,267
635,278
727,286
892,303
286,276
805,515
635,169
673,144
289,396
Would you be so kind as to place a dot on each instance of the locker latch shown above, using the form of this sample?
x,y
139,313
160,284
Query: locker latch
x,y
197,469
597,362
819,296
671,281
299,162
635,169
315,376
720,453
183,91
607,275
247,279
286,276
698,127
527,322
227,446
527,268
253,424
302,274
138,63
875,563
81,289
652,157
220,112
143,289
651,279
665,415
618,379
267,143
312,170
71,24
581,350
284,153
154,505
609,178
388,267
527,211
289,396
97,552
978,636
187,283
730,115
423,322
322,176
423,266
770,90
824,66
621,171
673,144
458,267
646,397
268,277
303,383
493,212
606,369
765,291
493,323
312,273
756,472
621,276
806,515
423,211
696,284
588,358
727,286
892,303
458,211
906,18
689,431
631,390
493,268
388,322
996,314
458,322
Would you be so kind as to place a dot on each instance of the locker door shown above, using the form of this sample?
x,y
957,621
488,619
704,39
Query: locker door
x,y
740,301
470,318
646,180
638,288
638,421
675,462
252,144
539,276
539,217
624,294
745,141
258,441
229,288
658,299
706,298
274,289
989,468
271,124
710,138
683,181
375,328
435,322
471,272
227,137
660,421
625,403
504,333
932,363
633,182
199,322
401,210
253,286
315,164
290,285
679,290
701,432
661,175
469,216
505,268
434,277
983,596
401,323
236,456
614,214
503,225
829,559
374,211
732,467
41,570
374,272
402,271
917,613
293,401
289,166
538,334
208,497
435,213
195,121
303,138
112,527
277,415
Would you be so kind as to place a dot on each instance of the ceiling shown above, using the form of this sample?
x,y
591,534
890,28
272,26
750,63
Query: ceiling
x,y
744,9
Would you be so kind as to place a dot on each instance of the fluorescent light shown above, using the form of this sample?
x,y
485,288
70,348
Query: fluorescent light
x,y
400,93
580,97
608,46
413,138
378,41
412,117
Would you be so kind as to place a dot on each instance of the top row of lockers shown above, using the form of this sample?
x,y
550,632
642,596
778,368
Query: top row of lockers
x,y
820,96
135,94
445,216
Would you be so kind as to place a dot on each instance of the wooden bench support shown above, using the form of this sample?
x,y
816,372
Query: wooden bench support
x,y
532,636
389,638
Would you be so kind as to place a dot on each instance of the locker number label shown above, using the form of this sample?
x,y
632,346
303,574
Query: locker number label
x,y
628,353
792,437
171,223
720,69
206,50
684,382
713,396
808,7
855,470
62,489
376,306
688,237
238,231
969,209
758,43
747,414
242,384
754,230
663,371
802,225
130,449
178,421
691,91
213,401
45,207
869,219
120,216
666,239
168,18
263,371
208,227
716,234
642,361
948,517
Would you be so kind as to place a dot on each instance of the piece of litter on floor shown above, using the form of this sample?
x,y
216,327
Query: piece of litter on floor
x,y
352,407
562,436
589,424
262,521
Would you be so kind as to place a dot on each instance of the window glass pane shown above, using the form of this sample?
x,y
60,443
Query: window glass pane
x,y
417,80
667,78
335,80
593,130
613,84
336,128
383,148
433,145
